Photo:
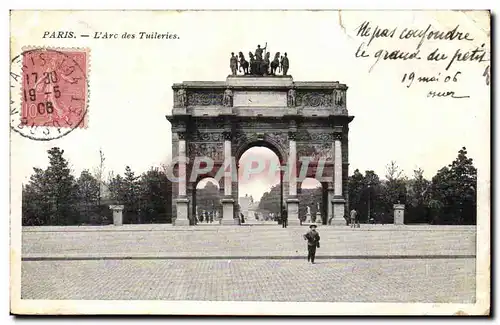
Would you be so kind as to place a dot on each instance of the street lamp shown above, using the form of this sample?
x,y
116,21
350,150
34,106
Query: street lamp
x,y
369,185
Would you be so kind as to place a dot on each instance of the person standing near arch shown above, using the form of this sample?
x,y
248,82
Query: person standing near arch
x,y
284,218
312,237
354,218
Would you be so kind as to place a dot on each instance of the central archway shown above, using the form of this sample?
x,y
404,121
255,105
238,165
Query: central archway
x,y
260,184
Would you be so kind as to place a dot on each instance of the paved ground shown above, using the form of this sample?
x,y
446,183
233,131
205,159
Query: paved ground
x,y
376,280
252,263
163,241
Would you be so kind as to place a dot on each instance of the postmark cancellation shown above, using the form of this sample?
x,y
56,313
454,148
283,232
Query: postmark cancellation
x,y
49,92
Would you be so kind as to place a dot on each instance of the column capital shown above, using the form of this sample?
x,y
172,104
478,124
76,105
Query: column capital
x,y
227,135
292,135
337,135
182,134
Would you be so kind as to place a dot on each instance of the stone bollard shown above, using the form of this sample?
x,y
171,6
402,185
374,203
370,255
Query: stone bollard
x,y
399,214
117,214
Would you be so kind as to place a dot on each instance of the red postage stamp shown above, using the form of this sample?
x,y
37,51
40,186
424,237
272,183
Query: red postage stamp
x,y
54,88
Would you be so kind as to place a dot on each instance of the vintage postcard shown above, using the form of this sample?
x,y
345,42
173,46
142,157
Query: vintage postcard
x,y
250,162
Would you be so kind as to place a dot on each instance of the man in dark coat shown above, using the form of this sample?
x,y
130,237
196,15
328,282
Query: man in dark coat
x,y
284,218
312,238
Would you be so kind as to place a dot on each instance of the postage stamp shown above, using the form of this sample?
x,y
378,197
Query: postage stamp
x,y
53,92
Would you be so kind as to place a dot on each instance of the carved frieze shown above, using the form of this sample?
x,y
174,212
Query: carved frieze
x,y
314,99
214,151
204,98
212,124
320,137
207,136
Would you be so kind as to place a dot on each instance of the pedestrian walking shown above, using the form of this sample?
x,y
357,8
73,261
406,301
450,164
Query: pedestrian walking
x,y
312,237
284,218
354,218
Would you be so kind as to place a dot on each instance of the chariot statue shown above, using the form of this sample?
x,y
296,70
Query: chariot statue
x,y
259,63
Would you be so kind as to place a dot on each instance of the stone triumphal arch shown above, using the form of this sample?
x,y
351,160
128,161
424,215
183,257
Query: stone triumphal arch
x,y
304,123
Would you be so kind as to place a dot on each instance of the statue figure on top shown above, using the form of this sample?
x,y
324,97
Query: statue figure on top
x,y
233,64
285,64
258,53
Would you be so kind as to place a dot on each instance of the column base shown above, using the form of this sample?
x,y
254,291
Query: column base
x,y
233,222
228,212
182,212
117,214
338,212
292,209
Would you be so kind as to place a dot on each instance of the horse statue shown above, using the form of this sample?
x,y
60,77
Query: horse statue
x,y
275,63
243,63
266,64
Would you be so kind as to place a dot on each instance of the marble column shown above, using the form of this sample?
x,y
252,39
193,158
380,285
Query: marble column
x,y
228,201
182,199
329,197
338,200
292,200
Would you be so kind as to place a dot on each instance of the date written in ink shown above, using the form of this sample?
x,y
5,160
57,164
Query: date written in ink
x,y
409,78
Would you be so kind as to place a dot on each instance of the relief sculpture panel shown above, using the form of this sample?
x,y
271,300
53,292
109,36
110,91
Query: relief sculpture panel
x,y
205,98
314,99
316,151
214,151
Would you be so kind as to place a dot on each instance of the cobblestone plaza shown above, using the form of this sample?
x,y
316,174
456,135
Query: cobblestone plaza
x,y
260,263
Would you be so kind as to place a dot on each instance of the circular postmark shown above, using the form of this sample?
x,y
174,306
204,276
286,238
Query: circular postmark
x,y
48,97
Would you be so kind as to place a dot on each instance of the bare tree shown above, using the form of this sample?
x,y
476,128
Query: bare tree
x,y
99,173
393,172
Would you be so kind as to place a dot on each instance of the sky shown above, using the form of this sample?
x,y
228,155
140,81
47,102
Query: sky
x,y
130,83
